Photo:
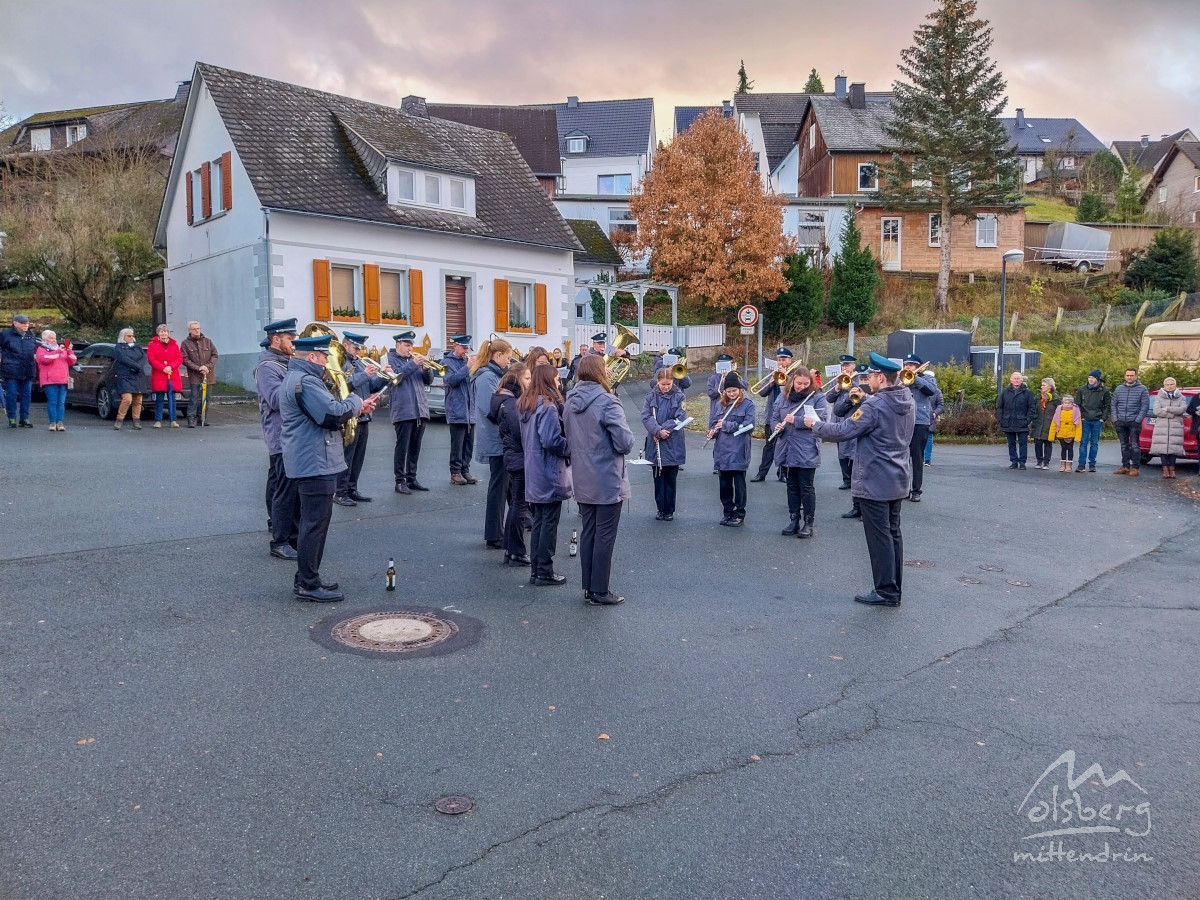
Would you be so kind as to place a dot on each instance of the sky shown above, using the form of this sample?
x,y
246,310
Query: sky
x,y
1122,68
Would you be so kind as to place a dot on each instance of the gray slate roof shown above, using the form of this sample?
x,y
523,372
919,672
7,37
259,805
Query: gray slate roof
x,y
613,127
1147,158
534,131
597,248
1030,139
846,129
686,115
309,151
779,115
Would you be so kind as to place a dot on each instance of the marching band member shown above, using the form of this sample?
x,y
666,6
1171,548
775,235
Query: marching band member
x,y
727,423
599,348
662,410
490,363
409,410
360,376
846,403
547,483
928,398
460,409
716,380
849,366
283,503
770,390
503,414
799,450
673,355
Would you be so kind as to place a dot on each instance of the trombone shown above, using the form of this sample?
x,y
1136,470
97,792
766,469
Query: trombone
x,y
780,377
841,383
909,376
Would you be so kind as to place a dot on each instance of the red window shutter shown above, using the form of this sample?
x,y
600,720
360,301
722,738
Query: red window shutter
x,y
371,294
206,190
322,290
187,181
416,298
227,180
539,309
501,305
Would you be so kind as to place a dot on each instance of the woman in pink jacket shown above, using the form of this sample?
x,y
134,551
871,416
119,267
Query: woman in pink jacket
x,y
54,363
165,361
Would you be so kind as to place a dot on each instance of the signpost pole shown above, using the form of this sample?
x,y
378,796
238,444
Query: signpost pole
x,y
760,337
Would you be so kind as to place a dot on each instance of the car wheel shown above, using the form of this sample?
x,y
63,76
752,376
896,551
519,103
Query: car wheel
x,y
1083,267
104,404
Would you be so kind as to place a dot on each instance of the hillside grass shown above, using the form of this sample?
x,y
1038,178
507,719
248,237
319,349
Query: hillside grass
x,y
1048,209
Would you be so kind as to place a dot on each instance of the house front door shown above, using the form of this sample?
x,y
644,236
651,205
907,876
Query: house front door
x,y
889,250
456,306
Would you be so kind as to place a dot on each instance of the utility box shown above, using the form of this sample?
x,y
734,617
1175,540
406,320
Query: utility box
x,y
1016,359
937,346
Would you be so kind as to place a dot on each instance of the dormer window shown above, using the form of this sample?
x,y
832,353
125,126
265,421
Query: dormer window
x,y
440,190
76,133
576,144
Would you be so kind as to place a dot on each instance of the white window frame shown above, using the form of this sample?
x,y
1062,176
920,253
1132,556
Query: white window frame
x,y
197,195
75,134
874,167
811,224
435,182
1162,194
443,182
935,230
355,286
406,178
812,137
459,186
981,239
530,312
214,186
1196,189
620,218
614,193
576,145
405,301
41,140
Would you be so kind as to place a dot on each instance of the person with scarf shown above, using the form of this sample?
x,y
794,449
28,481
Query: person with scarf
x,y
662,410
54,365
503,414
1047,404
166,361
727,425
798,450
492,358
1170,406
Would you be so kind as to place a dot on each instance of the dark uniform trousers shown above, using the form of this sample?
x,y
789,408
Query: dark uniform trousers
x,y
847,466
517,519
408,449
316,508
283,504
800,492
881,524
733,493
597,540
543,538
497,496
916,453
664,489
462,448
768,457
355,454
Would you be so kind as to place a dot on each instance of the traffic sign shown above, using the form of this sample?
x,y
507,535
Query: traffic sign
x,y
748,316
748,329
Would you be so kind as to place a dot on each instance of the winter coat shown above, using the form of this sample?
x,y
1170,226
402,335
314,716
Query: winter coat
x,y
129,369
1016,408
1043,415
407,400
546,454
598,437
883,425
269,372
731,453
312,421
797,447
161,356
1169,410
199,352
487,435
504,414
18,354
1130,403
1066,424
683,383
843,408
54,365
360,382
661,411
460,390
1093,402
928,398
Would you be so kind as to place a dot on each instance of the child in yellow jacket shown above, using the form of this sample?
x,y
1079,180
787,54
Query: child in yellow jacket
x,y
1067,428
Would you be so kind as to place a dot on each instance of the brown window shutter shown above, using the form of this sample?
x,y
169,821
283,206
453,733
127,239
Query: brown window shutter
x,y
321,290
206,190
539,308
227,180
371,294
501,305
187,181
416,298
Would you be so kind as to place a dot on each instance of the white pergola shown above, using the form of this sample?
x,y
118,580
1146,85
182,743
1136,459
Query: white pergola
x,y
638,288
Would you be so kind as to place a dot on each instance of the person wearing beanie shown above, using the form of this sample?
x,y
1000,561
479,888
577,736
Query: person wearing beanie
x,y
730,423
1093,400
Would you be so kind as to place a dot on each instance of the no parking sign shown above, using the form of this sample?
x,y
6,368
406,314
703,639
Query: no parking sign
x,y
748,316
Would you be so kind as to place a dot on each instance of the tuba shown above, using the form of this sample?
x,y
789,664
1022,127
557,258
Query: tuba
x,y
618,366
334,363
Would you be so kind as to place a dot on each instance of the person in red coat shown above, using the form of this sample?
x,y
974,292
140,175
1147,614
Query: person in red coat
x,y
165,362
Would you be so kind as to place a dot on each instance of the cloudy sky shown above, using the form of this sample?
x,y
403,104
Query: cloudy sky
x,y
1122,68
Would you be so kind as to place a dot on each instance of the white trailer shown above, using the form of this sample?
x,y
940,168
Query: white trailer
x,y
1073,246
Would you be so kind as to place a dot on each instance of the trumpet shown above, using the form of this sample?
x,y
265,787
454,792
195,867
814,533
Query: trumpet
x,y
435,367
680,370
841,383
909,376
779,376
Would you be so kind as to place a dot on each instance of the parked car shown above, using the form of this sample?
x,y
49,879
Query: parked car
x,y
1189,439
93,383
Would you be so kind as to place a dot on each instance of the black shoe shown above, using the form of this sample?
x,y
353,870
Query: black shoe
x,y
608,598
929,462
358,498
915,497
793,526
402,487
855,513
668,517
495,545
284,551
319,595
551,580
782,478
416,485
205,424
1080,468
736,523
728,520
659,515
191,423
759,478
510,560
1020,465
873,599
807,530
844,486
469,478
1012,465
325,585
25,423
1091,468
343,500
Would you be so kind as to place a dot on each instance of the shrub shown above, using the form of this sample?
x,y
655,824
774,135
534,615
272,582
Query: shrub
x,y
802,306
1169,263
972,420
1091,208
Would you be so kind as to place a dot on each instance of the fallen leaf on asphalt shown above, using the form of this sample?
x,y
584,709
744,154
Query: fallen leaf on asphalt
x,y
602,737
838,658
379,756
980,744
754,757
86,741
137,806
551,707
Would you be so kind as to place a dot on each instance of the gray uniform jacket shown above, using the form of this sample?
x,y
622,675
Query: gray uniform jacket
x,y
460,391
598,437
1130,403
312,422
546,454
487,432
771,391
928,397
661,411
407,400
797,447
685,382
839,401
269,372
360,382
730,453
883,425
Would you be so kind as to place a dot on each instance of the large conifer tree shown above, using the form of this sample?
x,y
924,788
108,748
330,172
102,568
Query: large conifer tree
x,y
950,154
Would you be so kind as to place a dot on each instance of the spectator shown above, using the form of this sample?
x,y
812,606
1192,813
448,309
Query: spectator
x,y
1170,406
1067,428
130,369
1093,400
1193,410
933,425
165,380
1043,415
1130,406
54,366
18,365
1015,411
200,360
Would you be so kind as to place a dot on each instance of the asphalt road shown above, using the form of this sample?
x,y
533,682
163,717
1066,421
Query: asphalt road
x,y
171,729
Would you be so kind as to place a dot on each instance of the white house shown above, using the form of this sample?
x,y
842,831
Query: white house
x,y
284,201
599,261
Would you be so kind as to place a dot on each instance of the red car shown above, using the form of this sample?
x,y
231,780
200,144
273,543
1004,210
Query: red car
x,y
1189,439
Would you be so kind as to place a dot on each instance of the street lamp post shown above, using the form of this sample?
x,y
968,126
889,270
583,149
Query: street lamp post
x,y
1012,256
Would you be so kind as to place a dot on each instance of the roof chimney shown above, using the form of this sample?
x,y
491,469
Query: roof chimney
x,y
414,106
1020,117
181,92
839,87
572,102
1145,140
858,95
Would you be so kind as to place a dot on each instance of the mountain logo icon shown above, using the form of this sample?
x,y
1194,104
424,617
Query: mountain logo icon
x,y
1069,813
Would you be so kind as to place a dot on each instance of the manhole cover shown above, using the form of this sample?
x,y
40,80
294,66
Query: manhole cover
x,y
1016,583
967,580
919,563
454,806
992,568
397,633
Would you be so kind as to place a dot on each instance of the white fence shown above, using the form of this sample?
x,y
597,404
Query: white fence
x,y
656,338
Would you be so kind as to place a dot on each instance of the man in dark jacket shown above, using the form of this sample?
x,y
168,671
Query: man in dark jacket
x,y
409,410
361,378
18,368
1093,400
771,390
928,399
283,501
200,361
460,408
1015,410
1130,406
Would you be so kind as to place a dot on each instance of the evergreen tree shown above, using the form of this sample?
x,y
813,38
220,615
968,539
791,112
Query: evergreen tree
x,y
814,85
1169,263
1129,196
744,85
950,154
855,278
1090,209
801,306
